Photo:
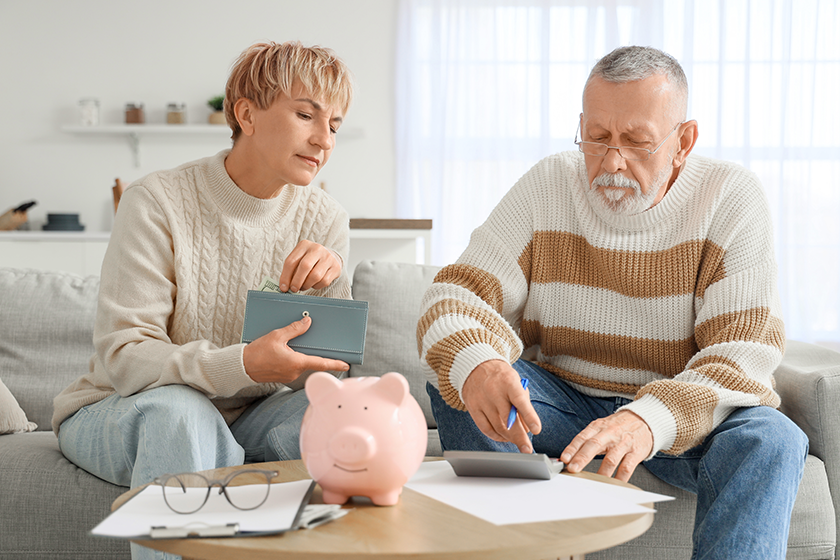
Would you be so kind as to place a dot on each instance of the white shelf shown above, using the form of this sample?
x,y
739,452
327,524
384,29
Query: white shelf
x,y
46,235
142,129
135,131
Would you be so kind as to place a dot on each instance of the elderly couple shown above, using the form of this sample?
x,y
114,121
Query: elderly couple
x,y
632,284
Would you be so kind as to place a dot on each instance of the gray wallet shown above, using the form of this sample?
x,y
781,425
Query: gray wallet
x,y
337,330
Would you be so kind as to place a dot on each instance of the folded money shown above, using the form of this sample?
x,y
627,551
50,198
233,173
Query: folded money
x,y
269,285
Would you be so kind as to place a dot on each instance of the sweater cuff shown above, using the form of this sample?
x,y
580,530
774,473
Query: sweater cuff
x,y
225,370
467,360
659,419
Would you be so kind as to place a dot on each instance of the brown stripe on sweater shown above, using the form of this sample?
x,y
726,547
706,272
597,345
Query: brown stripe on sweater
x,y
665,357
751,325
441,356
455,306
693,409
728,374
480,282
525,261
687,268
624,388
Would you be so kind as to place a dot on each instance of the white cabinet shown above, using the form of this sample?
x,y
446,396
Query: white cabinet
x,y
77,252
390,240
82,252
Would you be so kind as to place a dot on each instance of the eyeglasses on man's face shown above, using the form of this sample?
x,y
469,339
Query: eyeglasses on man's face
x,y
188,492
627,152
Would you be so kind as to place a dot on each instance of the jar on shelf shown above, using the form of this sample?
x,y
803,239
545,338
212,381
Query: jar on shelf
x,y
134,113
176,113
89,111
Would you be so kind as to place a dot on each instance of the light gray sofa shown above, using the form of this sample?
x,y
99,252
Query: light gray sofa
x,y
48,505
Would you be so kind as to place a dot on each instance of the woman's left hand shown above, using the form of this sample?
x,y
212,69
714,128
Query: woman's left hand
x,y
309,265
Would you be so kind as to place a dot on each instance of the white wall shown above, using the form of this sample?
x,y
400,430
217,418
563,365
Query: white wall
x,y
52,53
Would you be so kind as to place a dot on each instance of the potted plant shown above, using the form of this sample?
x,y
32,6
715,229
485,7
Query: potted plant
x,y
217,103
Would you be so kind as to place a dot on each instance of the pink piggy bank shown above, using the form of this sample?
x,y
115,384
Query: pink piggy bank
x,y
363,436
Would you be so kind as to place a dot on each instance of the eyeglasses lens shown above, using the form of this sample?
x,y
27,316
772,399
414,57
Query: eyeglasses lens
x,y
185,493
248,490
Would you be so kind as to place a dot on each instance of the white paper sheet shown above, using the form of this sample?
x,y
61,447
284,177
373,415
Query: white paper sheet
x,y
504,501
147,509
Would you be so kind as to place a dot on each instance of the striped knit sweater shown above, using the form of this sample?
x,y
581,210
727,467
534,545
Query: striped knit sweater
x,y
187,246
676,307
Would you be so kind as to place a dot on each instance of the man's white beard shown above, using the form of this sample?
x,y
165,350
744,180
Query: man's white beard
x,y
615,200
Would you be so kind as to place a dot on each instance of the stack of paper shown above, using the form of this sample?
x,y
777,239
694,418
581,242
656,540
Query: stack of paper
x,y
504,501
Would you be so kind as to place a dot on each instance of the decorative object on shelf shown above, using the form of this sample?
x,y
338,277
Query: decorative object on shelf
x,y
89,111
134,113
176,113
117,190
63,222
217,103
15,217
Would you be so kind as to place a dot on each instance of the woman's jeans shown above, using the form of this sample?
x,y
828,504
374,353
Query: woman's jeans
x,y
130,441
745,474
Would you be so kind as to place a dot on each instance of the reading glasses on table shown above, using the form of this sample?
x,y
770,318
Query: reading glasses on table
x,y
188,492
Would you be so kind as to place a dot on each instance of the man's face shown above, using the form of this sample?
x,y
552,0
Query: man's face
x,y
637,114
295,136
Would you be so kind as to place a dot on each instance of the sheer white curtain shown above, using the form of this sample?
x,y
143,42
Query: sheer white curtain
x,y
486,88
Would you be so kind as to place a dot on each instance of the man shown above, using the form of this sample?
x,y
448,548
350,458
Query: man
x,y
634,286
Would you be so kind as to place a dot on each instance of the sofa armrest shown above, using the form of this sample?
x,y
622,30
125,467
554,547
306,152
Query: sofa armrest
x,y
808,381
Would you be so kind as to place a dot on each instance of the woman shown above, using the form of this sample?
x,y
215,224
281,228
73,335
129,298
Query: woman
x,y
170,387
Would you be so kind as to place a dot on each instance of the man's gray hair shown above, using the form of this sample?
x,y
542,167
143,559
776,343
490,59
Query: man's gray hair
x,y
628,64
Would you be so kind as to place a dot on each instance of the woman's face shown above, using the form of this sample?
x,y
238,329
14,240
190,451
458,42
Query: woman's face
x,y
295,136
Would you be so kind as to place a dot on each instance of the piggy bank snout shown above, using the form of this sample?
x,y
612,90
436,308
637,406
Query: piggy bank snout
x,y
352,445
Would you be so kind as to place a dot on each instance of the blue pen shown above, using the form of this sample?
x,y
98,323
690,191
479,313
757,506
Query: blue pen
x,y
512,415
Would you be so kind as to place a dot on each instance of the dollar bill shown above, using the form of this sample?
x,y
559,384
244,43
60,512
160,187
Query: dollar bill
x,y
268,285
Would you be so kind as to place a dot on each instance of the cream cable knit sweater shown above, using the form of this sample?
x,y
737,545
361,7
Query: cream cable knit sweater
x,y
186,247
676,307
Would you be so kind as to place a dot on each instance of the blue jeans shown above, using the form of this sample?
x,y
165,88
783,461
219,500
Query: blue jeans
x,y
745,474
130,441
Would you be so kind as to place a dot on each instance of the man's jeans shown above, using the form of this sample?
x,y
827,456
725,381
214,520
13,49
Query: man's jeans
x,y
173,429
745,474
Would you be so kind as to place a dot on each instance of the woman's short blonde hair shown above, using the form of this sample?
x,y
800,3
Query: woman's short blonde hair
x,y
265,70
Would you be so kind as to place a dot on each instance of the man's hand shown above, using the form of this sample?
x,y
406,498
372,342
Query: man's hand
x,y
488,392
309,265
624,439
269,359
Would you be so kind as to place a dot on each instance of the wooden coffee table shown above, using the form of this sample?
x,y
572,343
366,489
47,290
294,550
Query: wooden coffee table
x,y
417,528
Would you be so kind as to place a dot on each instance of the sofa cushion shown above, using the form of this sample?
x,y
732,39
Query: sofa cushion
x,y
393,292
46,335
50,505
811,531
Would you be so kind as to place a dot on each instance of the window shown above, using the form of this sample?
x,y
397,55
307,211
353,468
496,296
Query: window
x,y
488,88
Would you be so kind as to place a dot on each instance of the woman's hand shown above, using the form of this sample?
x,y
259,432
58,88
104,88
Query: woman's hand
x,y
269,359
309,265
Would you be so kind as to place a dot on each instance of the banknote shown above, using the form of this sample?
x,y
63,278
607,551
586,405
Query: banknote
x,y
268,285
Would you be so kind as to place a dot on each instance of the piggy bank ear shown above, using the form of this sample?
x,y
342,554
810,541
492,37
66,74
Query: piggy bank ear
x,y
393,387
319,385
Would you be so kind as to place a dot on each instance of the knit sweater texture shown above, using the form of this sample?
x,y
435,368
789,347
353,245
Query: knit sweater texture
x,y
676,307
186,247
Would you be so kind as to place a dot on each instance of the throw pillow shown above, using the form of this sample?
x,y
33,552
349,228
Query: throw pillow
x,y
12,417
